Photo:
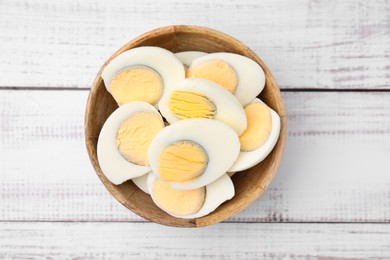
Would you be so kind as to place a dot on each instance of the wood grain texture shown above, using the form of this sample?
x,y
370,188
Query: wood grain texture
x,y
306,44
248,185
335,167
223,241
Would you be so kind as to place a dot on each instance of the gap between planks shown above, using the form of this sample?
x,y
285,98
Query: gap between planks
x,y
223,222
282,89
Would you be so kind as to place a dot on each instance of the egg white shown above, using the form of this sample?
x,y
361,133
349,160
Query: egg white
x,y
186,57
229,109
217,192
248,159
164,62
113,165
251,78
219,141
141,182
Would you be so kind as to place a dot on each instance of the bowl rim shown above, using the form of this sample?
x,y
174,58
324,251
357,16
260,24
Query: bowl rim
x,y
170,31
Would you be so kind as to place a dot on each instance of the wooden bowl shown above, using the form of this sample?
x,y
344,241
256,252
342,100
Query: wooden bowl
x,y
249,184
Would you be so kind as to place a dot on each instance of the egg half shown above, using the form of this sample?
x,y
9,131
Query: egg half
x,y
143,74
199,98
238,74
259,138
193,203
192,153
124,141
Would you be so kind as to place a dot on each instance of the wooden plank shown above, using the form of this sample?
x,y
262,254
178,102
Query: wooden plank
x,y
335,167
306,44
222,241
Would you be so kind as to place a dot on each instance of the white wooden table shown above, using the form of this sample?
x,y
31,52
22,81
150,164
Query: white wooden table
x,y
331,196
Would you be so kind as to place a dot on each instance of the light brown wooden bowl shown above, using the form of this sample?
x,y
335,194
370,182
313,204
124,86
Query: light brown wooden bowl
x,y
249,184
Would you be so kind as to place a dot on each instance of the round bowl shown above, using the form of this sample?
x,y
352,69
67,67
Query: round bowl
x,y
249,184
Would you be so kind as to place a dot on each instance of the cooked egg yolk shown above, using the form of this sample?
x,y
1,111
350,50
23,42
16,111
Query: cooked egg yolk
x,y
135,135
136,83
185,104
217,71
259,126
178,202
182,161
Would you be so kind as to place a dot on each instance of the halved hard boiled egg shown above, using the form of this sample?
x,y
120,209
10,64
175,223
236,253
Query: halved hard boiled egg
x,y
143,74
199,98
260,137
192,153
238,74
193,203
124,141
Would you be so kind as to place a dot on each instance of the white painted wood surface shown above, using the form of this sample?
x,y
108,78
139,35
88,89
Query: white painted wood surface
x,y
306,44
336,167
223,241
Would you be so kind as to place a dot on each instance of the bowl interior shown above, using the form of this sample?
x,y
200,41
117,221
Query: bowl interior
x,y
249,184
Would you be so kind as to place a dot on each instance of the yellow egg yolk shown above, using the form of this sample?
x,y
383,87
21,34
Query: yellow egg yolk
x,y
182,161
217,71
134,136
185,104
259,126
137,83
178,202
